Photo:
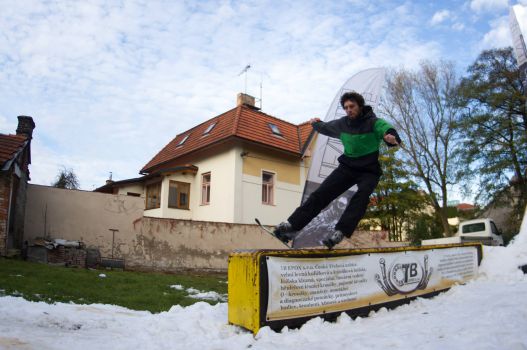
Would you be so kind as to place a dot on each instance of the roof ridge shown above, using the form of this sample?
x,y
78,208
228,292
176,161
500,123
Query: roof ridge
x,y
304,123
299,138
236,119
14,135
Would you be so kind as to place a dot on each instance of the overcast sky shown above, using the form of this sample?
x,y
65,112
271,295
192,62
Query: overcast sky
x,y
109,83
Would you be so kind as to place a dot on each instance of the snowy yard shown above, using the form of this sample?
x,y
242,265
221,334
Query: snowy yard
x,y
487,313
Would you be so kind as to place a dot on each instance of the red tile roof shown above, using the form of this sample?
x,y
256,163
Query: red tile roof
x,y
242,122
9,146
465,206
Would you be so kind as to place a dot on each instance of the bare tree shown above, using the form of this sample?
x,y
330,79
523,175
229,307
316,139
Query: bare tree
x,y
423,105
66,178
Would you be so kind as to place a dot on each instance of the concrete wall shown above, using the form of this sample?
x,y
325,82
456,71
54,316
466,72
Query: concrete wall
x,y
71,214
144,242
147,243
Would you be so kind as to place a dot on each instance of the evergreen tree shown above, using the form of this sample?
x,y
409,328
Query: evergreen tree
x,y
396,201
425,226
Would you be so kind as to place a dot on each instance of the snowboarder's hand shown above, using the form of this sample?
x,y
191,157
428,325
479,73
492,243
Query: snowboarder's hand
x,y
390,139
314,120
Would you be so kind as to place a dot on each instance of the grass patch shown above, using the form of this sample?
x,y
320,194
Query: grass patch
x,y
134,290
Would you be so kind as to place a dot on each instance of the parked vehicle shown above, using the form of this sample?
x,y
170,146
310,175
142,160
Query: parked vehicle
x,y
478,230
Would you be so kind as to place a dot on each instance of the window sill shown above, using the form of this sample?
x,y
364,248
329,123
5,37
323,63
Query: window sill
x,y
179,208
204,204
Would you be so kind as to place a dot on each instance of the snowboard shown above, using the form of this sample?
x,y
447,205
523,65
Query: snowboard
x,y
265,229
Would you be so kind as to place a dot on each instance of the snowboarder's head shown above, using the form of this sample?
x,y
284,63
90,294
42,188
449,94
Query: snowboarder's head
x,y
352,103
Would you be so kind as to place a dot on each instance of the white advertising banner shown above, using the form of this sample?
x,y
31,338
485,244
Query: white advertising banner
x,y
326,151
310,286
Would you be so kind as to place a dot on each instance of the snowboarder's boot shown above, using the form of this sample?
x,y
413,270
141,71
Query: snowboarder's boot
x,y
284,231
332,239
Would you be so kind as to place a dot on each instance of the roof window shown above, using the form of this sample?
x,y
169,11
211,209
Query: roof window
x,y
183,140
209,128
275,129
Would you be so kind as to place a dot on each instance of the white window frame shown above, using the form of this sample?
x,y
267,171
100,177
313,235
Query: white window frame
x,y
268,188
205,188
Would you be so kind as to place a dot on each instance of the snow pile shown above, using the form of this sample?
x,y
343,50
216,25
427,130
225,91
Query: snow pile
x,y
208,296
487,313
502,263
202,295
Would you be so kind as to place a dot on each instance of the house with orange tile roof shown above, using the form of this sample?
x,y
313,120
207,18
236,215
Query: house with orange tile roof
x,y
231,168
15,157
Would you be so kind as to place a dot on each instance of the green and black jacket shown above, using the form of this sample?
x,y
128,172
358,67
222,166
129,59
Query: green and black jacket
x,y
361,138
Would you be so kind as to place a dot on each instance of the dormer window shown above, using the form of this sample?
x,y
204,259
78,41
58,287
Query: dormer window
x,y
275,129
183,140
209,128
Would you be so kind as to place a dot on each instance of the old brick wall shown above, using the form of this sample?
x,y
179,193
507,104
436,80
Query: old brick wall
x,y
4,210
13,186
145,243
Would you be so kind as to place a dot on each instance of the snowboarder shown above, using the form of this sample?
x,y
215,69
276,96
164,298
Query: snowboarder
x,y
361,133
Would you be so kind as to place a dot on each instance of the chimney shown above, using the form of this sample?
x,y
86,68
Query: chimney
x,y
25,126
244,99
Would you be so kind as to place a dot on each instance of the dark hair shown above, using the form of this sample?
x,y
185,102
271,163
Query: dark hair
x,y
352,96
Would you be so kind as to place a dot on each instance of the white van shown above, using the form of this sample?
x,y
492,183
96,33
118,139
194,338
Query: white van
x,y
478,230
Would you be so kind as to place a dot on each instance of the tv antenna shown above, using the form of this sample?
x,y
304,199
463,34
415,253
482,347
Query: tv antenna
x,y
245,71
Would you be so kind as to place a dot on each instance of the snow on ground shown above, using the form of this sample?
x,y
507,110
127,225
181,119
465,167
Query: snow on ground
x,y
487,313
199,294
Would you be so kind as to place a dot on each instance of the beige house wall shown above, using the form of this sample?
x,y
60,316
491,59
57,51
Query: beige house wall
x,y
287,198
290,175
287,170
133,188
236,187
221,207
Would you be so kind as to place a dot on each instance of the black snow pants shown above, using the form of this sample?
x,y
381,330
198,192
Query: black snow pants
x,y
339,181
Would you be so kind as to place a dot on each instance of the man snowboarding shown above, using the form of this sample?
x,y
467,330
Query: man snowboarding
x,y
361,133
